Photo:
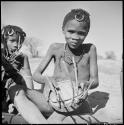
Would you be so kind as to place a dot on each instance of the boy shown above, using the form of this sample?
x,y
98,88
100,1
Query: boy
x,y
80,60
16,75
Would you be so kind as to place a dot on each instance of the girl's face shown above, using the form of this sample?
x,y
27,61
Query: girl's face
x,y
75,33
12,43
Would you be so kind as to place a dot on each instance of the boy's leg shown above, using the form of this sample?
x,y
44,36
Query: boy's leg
x,y
26,108
56,118
39,99
41,102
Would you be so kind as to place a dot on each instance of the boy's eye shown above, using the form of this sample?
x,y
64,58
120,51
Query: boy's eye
x,y
82,33
71,31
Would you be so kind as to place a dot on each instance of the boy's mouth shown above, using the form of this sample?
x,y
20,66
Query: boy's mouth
x,y
74,44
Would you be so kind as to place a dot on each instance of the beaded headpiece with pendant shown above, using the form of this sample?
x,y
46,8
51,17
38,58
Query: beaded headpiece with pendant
x,y
79,15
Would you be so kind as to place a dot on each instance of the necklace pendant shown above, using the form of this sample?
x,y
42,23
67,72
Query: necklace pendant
x,y
68,60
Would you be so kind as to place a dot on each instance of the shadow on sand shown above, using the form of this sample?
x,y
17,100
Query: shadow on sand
x,y
96,101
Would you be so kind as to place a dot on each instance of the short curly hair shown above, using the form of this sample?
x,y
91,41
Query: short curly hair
x,y
10,30
78,14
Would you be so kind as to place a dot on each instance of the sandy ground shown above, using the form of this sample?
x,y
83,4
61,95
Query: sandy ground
x,y
105,101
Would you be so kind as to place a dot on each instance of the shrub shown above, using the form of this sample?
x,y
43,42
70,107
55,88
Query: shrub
x,y
110,55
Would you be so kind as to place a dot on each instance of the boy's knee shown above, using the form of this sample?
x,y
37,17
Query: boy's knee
x,y
19,95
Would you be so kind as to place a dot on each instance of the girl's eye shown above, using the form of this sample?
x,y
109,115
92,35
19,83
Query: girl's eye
x,y
13,40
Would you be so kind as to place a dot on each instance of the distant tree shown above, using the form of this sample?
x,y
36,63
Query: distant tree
x,y
32,43
110,55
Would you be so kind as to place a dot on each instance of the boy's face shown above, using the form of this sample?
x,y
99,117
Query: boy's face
x,y
75,33
12,43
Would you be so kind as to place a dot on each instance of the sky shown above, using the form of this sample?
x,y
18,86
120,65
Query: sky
x,y
43,20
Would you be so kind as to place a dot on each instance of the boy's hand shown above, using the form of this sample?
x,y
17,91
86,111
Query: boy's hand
x,y
84,85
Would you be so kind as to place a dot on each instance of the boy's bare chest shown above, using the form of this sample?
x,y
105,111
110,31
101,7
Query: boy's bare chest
x,y
82,63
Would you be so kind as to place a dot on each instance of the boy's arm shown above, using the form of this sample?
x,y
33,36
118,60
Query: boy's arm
x,y
93,70
93,67
37,75
26,73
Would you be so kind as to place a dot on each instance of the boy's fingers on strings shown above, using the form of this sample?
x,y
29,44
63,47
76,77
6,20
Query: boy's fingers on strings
x,y
84,85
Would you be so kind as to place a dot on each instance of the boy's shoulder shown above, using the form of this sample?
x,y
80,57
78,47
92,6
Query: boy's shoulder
x,y
88,46
57,46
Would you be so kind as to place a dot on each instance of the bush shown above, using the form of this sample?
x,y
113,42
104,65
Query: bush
x,y
32,43
110,55
100,57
